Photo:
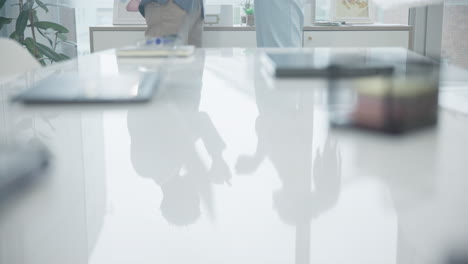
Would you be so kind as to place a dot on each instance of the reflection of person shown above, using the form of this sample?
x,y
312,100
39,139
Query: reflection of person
x,y
132,6
412,184
183,18
164,148
285,132
279,23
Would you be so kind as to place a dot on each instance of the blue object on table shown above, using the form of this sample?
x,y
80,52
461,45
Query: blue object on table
x,y
160,41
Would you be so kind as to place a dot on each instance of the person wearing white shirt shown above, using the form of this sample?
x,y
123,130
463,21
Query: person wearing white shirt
x,y
279,23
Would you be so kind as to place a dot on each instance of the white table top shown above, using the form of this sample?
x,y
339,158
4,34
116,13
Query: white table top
x,y
232,167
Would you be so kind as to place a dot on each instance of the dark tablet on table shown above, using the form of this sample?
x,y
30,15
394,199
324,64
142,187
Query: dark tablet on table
x,y
73,88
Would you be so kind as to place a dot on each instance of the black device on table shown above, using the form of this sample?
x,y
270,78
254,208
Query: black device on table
x,y
385,93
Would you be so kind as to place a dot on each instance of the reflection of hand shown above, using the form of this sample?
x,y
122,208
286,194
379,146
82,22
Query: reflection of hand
x,y
327,170
219,172
246,164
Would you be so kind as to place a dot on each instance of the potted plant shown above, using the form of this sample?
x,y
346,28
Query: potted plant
x,y
27,21
249,13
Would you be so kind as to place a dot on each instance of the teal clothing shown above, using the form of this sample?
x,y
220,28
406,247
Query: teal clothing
x,y
279,23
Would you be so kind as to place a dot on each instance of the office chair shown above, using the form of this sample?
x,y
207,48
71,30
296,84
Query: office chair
x,y
15,58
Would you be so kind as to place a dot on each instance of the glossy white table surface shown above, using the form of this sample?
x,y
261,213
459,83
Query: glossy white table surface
x,y
228,166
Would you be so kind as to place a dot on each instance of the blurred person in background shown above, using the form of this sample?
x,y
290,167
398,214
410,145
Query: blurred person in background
x,y
279,23
181,18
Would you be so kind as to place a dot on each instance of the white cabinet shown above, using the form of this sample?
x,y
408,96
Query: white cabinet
x,y
357,39
229,39
109,37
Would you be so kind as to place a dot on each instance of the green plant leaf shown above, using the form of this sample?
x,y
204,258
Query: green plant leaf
x,y
30,45
42,5
48,52
249,11
36,19
14,35
45,36
5,21
2,3
64,57
46,25
29,42
70,43
21,22
62,37
28,5
43,61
